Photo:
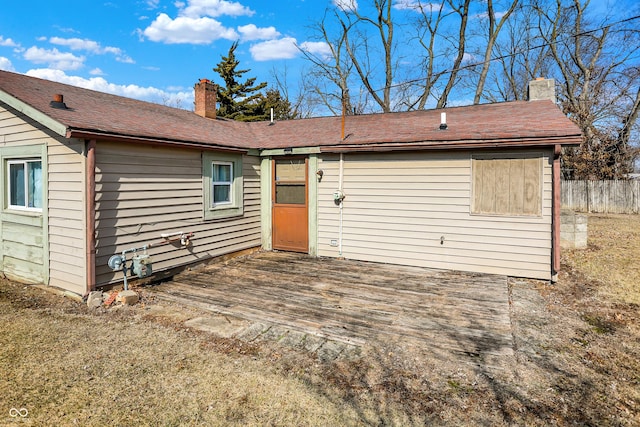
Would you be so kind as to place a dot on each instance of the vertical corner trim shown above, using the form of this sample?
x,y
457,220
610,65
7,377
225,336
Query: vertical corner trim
x,y
555,244
91,214
265,202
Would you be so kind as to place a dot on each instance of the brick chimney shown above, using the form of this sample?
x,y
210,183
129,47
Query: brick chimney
x,y
542,88
205,96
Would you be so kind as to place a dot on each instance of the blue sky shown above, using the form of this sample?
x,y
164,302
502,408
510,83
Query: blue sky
x,y
156,50
152,49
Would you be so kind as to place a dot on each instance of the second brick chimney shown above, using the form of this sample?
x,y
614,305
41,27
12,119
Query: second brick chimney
x,y
205,98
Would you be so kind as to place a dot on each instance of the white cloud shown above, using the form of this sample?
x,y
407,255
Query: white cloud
x,y
284,48
66,29
187,30
151,94
91,47
96,72
5,64
251,32
346,5
77,44
212,8
7,42
417,5
125,60
54,58
195,24
320,49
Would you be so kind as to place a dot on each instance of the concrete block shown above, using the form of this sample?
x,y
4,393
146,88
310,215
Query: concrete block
x,y
581,219
581,228
128,297
94,300
573,230
581,241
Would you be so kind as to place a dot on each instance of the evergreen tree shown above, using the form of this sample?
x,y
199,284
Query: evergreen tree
x,y
238,100
281,106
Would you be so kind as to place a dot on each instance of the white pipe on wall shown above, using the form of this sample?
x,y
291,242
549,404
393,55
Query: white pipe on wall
x,y
167,235
340,184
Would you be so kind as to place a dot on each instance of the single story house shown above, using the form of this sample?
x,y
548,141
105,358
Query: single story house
x,y
87,175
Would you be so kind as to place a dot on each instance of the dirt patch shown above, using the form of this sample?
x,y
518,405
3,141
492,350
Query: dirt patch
x,y
576,361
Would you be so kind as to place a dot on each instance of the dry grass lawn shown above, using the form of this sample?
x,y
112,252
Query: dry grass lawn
x,y
577,362
71,368
612,257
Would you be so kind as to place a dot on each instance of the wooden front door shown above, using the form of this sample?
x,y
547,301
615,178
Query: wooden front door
x,y
290,204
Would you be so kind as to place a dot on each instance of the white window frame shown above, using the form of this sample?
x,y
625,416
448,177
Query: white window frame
x,y
229,183
235,206
25,162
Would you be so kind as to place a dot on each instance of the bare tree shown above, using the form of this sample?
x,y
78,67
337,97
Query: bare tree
x,y
361,53
428,29
461,9
383,24
301,104
522,55
334,70
598,87
494,25
596,65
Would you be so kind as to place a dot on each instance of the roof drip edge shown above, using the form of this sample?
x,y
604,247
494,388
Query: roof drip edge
x,y
88,134
460,145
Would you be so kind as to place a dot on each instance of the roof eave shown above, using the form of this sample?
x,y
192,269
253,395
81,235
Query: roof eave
x,y
33,113
571,140
112,137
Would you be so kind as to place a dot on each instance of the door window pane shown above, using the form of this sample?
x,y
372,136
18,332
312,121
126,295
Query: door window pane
x,y
290,170
293,194
291,179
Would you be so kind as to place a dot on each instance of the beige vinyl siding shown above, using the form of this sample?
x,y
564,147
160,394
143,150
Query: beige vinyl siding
x,y
60,250
143,191
23,240
67,216
415,209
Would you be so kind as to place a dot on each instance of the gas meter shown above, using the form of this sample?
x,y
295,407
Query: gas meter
x,y
141,265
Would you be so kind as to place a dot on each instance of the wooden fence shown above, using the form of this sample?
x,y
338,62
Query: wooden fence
x,y
602,196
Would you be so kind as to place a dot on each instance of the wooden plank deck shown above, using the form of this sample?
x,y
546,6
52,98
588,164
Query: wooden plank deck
x,y
355,302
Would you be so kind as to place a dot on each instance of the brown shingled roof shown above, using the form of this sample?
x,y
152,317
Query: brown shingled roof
x,y
519,123
97,114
